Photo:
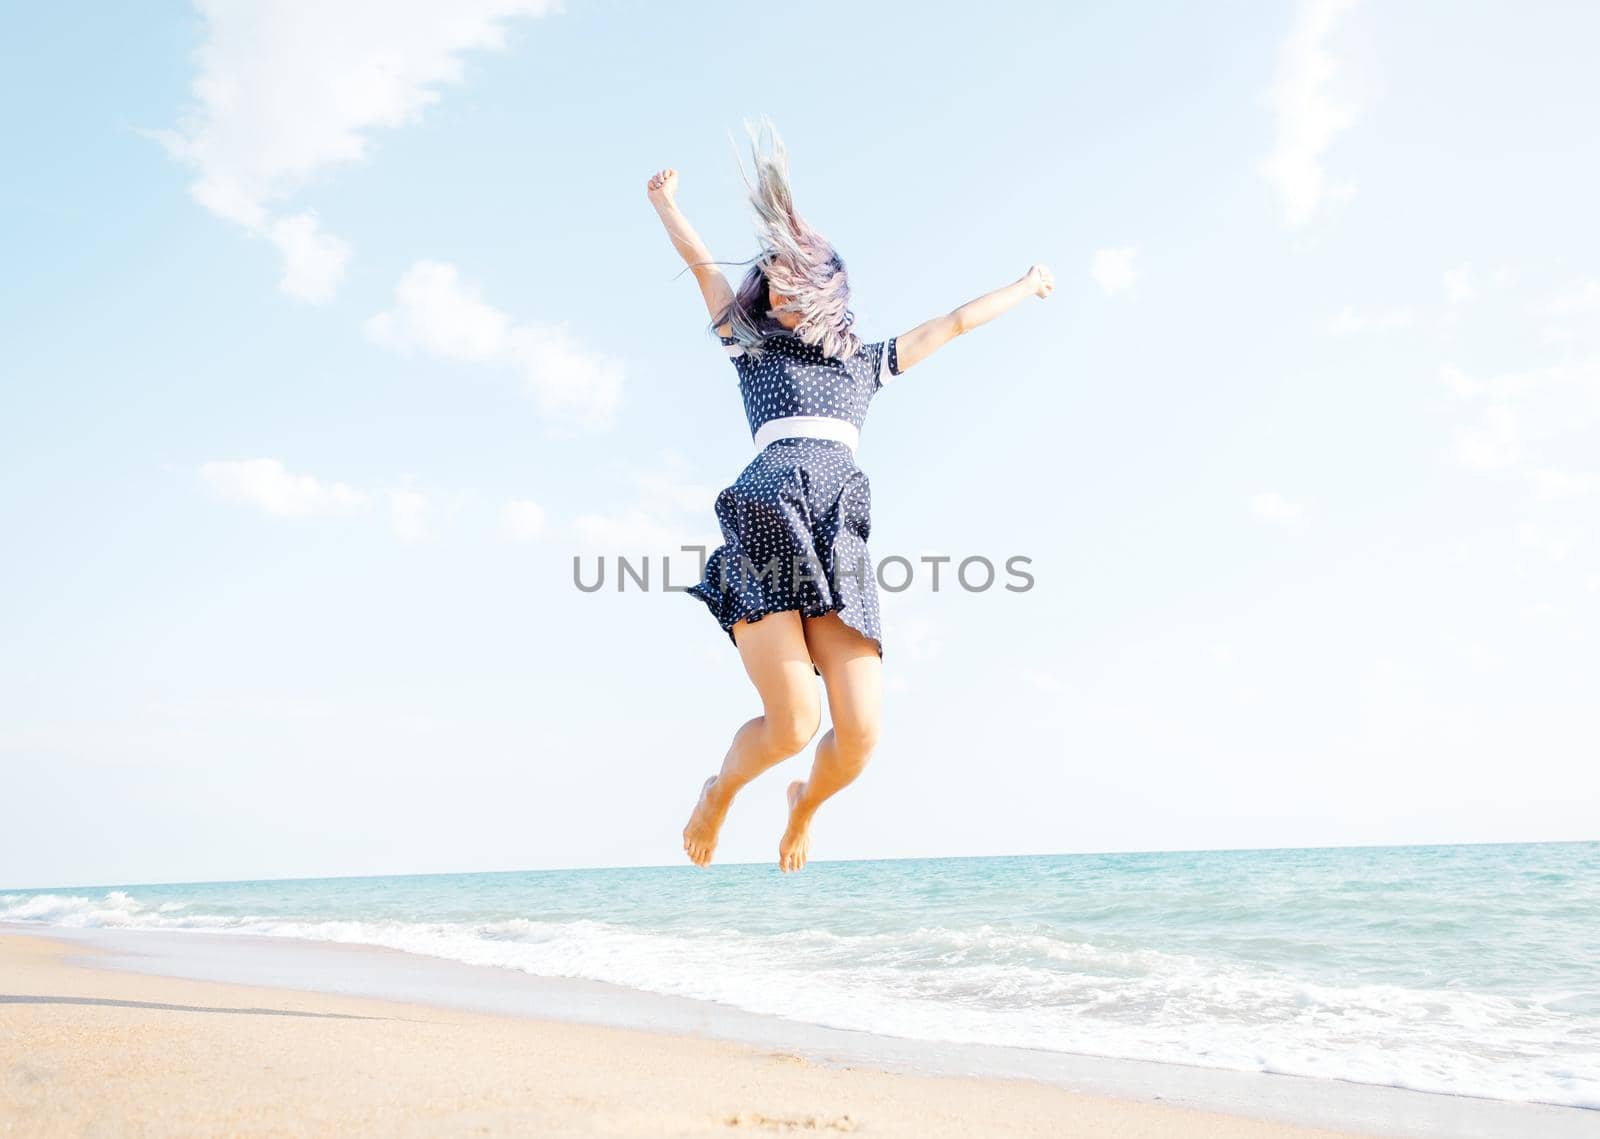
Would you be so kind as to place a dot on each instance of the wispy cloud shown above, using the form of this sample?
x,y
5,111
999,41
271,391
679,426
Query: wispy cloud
x,y
1114,269
522,520
1309,116
668,509
265,483
271,487
1521,419
1460,285
286,91
1492,442
1534,429
313,261
409,512
1046,682
1466,283
1273,509
661,509
1579,299
636,533
1553,485
1569,311
1352,321
438,314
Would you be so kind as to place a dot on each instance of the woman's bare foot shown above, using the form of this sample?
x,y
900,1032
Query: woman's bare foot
x,y
795,845
700,834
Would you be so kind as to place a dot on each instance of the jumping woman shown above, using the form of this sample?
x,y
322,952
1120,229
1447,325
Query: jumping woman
x,y
792,584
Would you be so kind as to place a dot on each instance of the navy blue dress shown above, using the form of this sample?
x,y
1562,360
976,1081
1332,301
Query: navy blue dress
x,y
795,522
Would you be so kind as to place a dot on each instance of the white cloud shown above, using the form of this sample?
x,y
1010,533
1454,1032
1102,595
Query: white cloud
x,y
522,520
1308,115
1516,387
669,489
1046,682
1460,286
265,483
1554,485
286,91
668,510
1553,541
409,511
1566,312
1274,509
1581,298
638,533
1460,384
1466,283
1351,321
1114,270
1534,429
313,261
1519,418
1491,443
438,314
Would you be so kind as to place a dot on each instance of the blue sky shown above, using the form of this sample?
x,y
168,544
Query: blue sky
x,y
335,332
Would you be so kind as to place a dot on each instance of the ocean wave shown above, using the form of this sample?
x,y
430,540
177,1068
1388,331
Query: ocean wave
x,y
986,984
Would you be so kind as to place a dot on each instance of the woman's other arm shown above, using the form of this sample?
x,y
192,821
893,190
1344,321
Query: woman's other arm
x,y
931,335
663,191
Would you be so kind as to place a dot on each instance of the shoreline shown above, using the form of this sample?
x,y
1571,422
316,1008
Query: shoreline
x,y
338,972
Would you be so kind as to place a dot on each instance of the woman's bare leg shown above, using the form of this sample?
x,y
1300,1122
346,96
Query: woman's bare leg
x,y
775,655
853,673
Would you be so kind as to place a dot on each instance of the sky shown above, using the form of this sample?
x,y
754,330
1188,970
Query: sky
x,y
335,333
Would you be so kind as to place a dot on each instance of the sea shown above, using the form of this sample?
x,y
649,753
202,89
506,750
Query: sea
x,y
1472,970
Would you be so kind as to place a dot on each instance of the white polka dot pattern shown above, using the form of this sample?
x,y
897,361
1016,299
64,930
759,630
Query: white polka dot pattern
x,y
795,522
793,378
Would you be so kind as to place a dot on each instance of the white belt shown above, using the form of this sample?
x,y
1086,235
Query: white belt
x,y
809,427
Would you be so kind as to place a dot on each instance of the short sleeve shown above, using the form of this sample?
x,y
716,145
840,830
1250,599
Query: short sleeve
x,y
735,351
888,363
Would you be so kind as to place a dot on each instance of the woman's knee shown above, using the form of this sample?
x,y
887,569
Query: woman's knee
x,y
856,735
793,724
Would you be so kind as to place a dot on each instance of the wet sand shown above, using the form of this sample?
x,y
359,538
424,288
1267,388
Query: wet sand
x,y
90,1051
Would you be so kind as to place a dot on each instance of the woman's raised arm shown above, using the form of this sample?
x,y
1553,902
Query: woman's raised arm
x,y
931,335
663,190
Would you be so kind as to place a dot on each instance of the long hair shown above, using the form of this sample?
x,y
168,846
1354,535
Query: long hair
x,y
795,261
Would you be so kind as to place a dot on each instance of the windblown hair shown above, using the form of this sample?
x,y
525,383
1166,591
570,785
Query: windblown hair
x,y
795,260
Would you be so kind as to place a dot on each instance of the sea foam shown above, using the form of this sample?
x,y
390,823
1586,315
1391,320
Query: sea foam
x,y
1333,988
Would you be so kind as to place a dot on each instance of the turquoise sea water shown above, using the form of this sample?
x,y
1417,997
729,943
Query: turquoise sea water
x,y
1465,969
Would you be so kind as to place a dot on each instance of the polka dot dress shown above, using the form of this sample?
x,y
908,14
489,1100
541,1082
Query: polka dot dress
x,y
795,522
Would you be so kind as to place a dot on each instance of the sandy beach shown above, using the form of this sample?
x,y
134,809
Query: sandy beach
x,y
88,1051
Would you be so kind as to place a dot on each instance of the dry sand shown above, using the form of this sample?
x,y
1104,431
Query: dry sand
x,y
92,1052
